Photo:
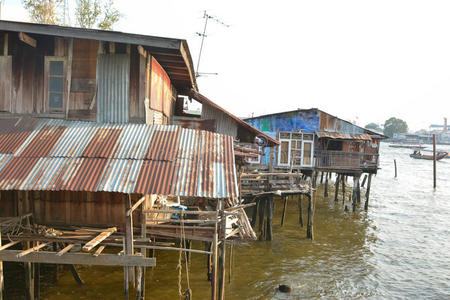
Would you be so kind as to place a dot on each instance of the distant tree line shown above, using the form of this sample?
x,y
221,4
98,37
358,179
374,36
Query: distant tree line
x,y
391,126
88,13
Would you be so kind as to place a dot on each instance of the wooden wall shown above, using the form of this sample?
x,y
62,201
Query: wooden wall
x,y
67,208
224,124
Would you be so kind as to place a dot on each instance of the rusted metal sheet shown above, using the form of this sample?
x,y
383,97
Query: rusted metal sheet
x,y
114,88
59,155
344,136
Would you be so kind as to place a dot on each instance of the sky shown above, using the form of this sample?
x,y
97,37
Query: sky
x,y
363,61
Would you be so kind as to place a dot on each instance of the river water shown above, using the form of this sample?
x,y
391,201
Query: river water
x,y
399,249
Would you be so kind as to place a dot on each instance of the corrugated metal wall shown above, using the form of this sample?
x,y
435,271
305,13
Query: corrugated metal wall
x,y
113,72
224,124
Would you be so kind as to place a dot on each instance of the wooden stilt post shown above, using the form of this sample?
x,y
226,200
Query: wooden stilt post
x,y
336,188
230,263
364,180
129,243
37,281
208,260
140,293
262,206
366,205
434,162
358,189
395,167
354,194
321,177
29,275
309,228
325,191
343,187
214,263
284,210
1,270
255,212
223,249
75,275
300,210
269,203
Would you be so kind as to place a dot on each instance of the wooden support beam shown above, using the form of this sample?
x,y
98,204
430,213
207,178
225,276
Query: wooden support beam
x,y
28,251
5,45
283,216
223,248
309,228
336,188
214,265
27,39
75,275
262,209
142,51
129,240
300,210
99,251
255,213
135,206
354,192
10,244
65,250
69,75
270,205
369,181
98,239
1,270
344,179
325,190
48,257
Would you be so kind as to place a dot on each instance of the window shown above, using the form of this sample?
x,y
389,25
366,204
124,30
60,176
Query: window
x,y
55,87
295,149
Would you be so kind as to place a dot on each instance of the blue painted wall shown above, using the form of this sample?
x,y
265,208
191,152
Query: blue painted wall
x,y
306,121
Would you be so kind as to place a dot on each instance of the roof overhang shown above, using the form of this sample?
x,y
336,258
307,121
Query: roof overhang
x,y
172,54
343,136
241,123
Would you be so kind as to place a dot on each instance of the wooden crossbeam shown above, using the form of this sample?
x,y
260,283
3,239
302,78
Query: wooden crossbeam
x,y
98,239
27,39
136,205
65,250
9,245
31,250
47,257
99,250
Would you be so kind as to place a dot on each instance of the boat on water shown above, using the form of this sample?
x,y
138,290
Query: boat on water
x,y
409,146
418,155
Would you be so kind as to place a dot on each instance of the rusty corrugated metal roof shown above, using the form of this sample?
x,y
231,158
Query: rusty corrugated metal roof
x,y
60,155
343,136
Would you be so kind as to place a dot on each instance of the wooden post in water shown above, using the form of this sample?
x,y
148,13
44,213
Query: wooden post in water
x,y
395,167
358,189
309,228
208,260
270,204
300,209
364,180
284,210
343,187
354,194
336,188
321,177
325,191
434,161
255,212
214,263
366,205
262,206
223,250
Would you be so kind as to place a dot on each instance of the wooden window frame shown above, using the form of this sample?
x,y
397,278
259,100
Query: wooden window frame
x,y
49,59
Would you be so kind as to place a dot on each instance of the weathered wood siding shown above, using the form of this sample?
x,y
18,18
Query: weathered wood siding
x,y
224,124
67,208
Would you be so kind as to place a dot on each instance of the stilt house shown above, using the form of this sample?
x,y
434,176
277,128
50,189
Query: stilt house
x,y
91,154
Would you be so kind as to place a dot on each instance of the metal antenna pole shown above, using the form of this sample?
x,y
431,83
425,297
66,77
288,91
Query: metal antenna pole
x,y
203,39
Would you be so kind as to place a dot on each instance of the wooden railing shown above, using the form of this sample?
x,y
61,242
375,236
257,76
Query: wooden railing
x,y
341,159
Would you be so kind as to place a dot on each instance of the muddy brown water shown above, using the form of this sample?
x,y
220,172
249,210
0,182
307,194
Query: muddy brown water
x,y
399,249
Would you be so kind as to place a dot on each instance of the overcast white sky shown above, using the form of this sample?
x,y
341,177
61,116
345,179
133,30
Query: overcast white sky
x,y
363,61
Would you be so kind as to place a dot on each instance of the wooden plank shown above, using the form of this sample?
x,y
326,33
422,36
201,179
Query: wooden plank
x,y
99,251
69,75
28,251
27,39
136,205
209,221
65,250
184,212
9,245
48,257
142,51
98,239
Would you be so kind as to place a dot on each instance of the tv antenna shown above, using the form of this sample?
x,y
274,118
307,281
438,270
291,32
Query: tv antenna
x,y
206,16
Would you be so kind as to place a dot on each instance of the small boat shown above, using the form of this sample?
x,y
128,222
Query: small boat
x,y
407,146
418,155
